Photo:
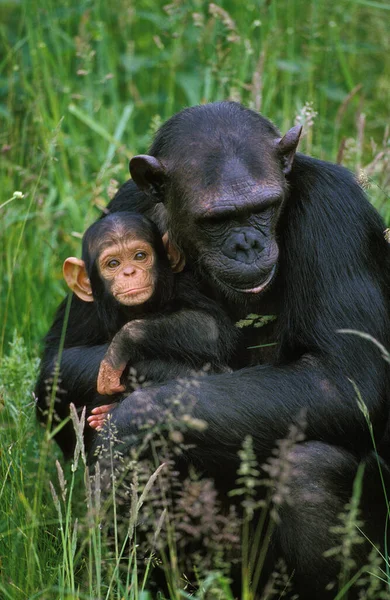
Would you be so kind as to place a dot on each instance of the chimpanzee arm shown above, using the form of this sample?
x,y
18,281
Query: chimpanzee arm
x,y
263,402
160,370
78,369
144,374
190,336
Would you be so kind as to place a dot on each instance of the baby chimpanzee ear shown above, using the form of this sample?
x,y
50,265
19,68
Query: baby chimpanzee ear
x,y
175,257
148,173
77,279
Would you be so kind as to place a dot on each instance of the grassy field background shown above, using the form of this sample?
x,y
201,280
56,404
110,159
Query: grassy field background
x,y
83,86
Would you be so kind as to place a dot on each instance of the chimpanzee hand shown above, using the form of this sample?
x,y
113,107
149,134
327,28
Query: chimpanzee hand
x,y
99,414
109,379
121,350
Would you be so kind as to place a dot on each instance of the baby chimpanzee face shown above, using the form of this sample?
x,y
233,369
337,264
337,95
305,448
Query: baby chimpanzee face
x,y
124,261
126,267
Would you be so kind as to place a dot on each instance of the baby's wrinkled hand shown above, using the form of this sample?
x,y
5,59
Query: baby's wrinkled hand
x,y
109,379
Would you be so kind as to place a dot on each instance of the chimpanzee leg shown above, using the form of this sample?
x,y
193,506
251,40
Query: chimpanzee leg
x,y
321,485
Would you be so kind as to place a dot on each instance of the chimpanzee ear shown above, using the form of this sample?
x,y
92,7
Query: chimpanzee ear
x,y
76,277
176,258
287,146
148,173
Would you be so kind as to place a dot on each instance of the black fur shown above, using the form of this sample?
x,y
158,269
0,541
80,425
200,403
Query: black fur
x,y
179,330
333,273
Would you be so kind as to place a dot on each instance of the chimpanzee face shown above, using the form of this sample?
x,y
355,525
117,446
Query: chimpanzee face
x,y
125,262
229,236
223,214
221,172
126,268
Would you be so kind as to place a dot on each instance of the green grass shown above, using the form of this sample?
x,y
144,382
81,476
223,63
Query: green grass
x,y
83,86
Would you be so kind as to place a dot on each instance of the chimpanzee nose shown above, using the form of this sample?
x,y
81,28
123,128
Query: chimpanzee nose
x,y
129,270
243,246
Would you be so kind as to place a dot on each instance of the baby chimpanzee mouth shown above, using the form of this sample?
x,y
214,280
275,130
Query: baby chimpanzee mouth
x,y
131,291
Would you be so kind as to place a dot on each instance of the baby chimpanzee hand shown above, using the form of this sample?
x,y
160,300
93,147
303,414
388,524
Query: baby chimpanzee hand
x,y
109,379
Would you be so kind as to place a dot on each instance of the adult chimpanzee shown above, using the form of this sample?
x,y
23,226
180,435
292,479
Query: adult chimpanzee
x,y
163,326
271,232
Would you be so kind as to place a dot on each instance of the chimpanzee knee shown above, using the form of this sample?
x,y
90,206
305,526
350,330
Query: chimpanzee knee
x,y
320,487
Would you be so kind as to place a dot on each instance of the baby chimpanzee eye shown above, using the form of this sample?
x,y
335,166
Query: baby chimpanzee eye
x,y
140,256
113,263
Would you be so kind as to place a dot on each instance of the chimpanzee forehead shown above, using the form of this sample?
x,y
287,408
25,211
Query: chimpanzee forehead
x,y
124,245
246,197
120,240
224,156
215,182
117,227
218,148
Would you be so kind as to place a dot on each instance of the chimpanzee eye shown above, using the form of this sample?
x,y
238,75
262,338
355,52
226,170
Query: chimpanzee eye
x,y
140,256
113,263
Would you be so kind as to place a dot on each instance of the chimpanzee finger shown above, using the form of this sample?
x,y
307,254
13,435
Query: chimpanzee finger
x,y
104,409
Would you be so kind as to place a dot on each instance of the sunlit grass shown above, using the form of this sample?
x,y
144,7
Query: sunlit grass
x,y
83,85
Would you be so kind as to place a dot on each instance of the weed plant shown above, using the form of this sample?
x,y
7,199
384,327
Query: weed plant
x,y
83,86
132,524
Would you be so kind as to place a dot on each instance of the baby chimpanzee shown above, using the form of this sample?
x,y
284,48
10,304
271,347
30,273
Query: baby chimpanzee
x,y
157,321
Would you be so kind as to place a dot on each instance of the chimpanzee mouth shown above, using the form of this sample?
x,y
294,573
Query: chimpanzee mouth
x,y
132,291
258,288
